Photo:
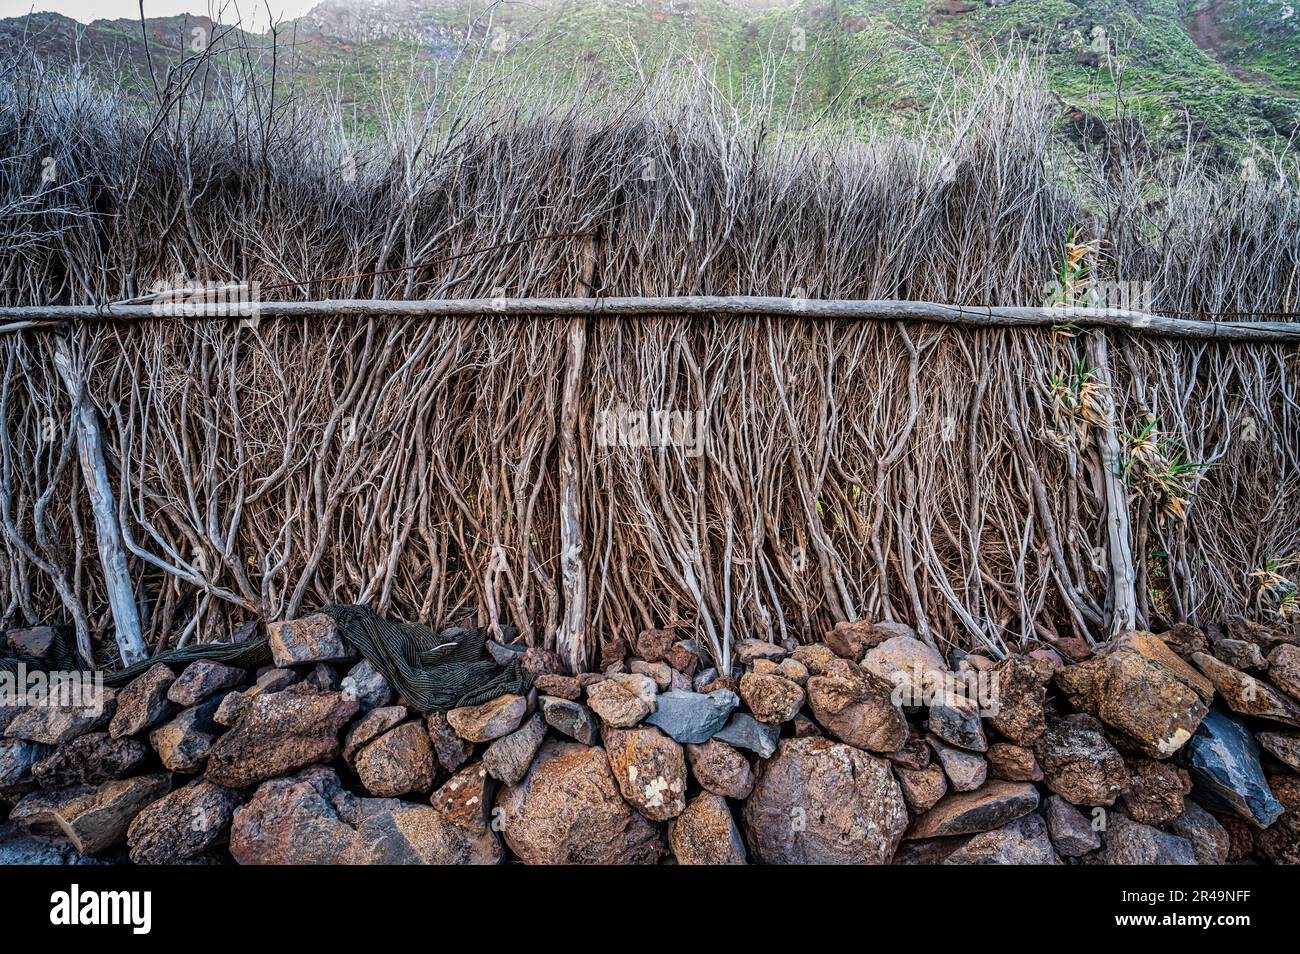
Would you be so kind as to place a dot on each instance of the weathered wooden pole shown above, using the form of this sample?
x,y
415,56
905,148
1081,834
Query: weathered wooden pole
x,y
112,554
571,640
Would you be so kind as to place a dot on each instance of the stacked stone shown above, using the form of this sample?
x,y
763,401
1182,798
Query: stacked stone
x,y
871,746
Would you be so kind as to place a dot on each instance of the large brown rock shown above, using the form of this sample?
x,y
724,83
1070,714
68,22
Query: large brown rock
x,y
653,645
1284,668
92,818
90,760
771,698
907,664
56,724
182,824
922,788
1020,690
822,802
1137,696
622,700
309,818
279,733
490,720
143,702
851,640
183,743
966,771
858,711
312,639
1155,791
706,834
650,769
1247,694
568,810
399,762
720,769
1014,763
1079,763
964,813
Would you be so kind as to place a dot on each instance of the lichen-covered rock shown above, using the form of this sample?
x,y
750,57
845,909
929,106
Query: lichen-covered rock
x,y
182,824
568,810
490,720
771,698
370,727
720,769
653,645
1079,763
89,760
1284,668
650,769
1158,705
1283,746
858,711
1209,839
1021,842
143,702
312,639
560,687
464,805
399,762
966,813
823,802
706,834
622,700
367,685
17,759
203,679
451,749
279,733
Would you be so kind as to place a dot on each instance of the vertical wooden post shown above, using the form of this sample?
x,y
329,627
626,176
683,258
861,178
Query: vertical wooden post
x,y
571,640
1123,573
112,554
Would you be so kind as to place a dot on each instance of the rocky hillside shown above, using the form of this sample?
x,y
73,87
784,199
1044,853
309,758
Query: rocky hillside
x,y
869,747
1223,72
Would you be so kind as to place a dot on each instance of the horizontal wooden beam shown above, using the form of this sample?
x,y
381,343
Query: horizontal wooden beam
x,y
1004,316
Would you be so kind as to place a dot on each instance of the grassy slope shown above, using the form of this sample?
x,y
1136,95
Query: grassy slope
x,y
882,57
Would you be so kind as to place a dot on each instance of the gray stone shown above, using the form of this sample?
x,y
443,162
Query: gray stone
x,y
17,756
745,732
965,770
693,717
19,848
504,654
1210,840
1223,761
54,725
1021,842
508,758
143,702
1071,832
956,719
368,686
203,679
569,718
451,750
1128,843
967,813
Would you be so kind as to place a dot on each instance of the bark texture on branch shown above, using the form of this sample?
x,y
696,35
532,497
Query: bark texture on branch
x,y
1284,332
